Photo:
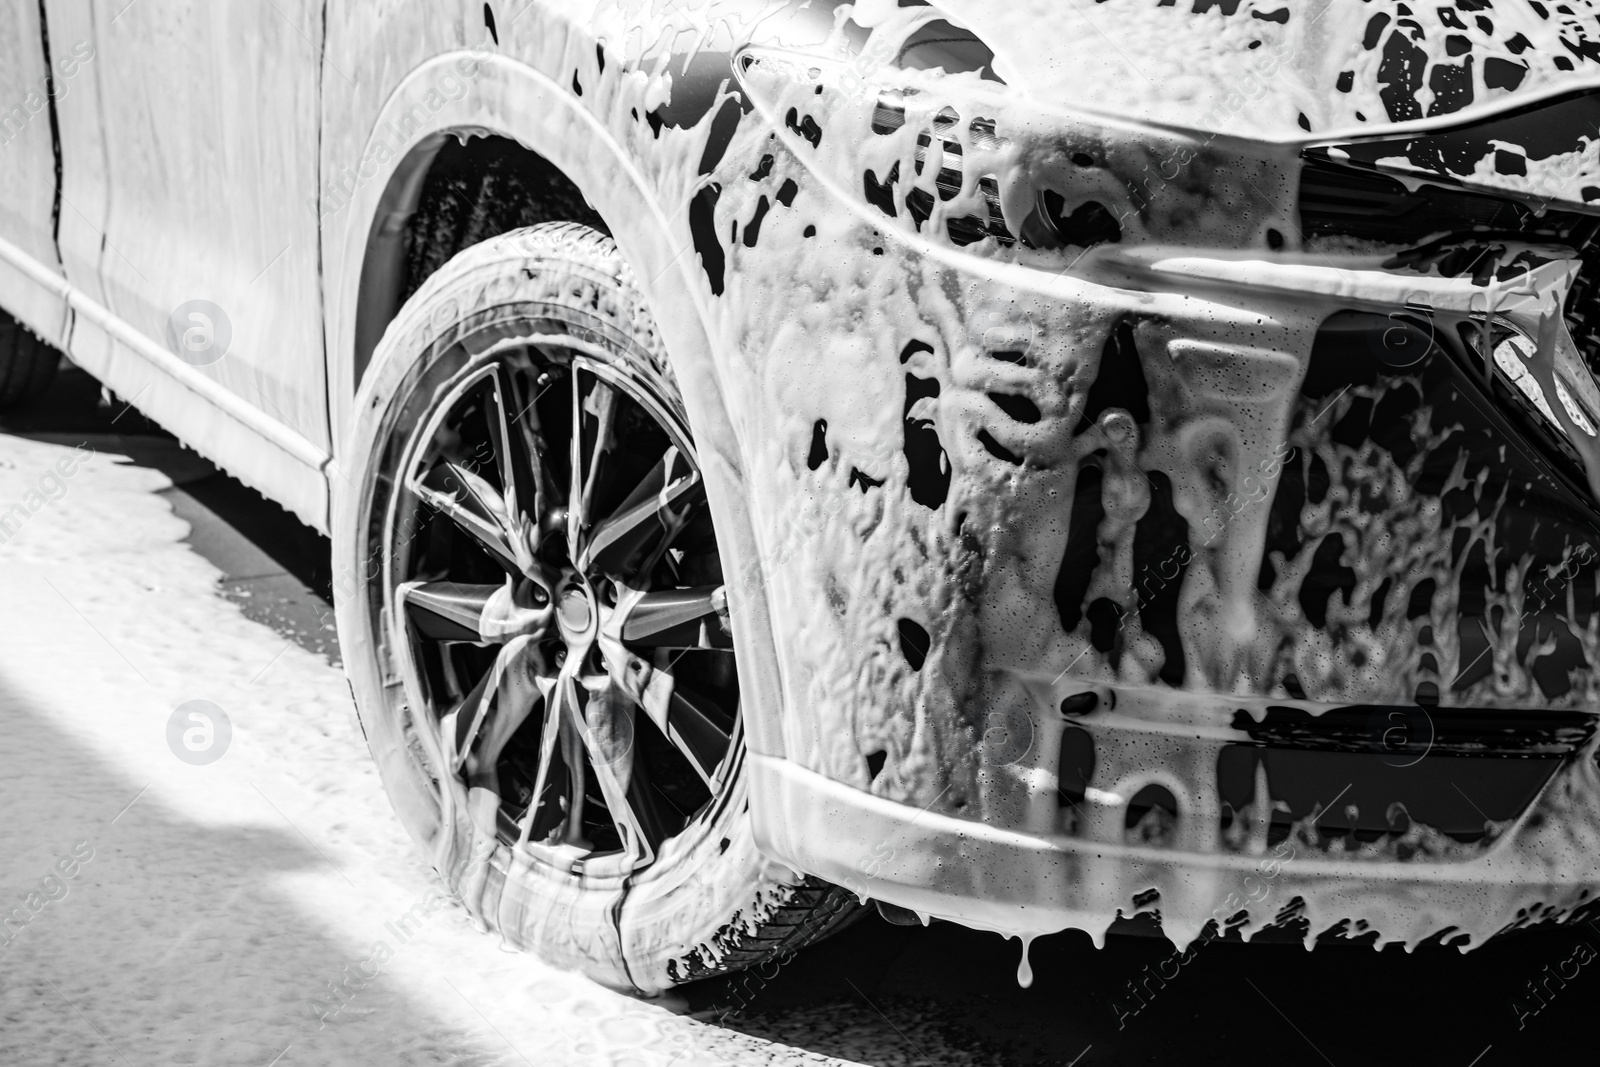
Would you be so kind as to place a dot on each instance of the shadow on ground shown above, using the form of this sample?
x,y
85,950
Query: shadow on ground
x,y
1276,1003
175,942
278,573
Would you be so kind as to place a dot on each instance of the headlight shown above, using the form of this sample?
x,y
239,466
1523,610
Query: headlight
x,y
940,44
913,122
1515,355
849,74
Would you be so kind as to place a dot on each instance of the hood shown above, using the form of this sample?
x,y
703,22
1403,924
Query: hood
x,y
1285,70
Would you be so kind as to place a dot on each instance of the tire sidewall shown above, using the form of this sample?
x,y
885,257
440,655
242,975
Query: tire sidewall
x,y
709,881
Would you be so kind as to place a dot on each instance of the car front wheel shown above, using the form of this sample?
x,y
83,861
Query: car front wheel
x,y
531,611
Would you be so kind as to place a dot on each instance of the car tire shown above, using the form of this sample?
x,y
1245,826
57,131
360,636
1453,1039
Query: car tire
x,y
27,365
482,361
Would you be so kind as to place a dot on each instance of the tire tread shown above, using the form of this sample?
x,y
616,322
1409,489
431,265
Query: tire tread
x,y
27,365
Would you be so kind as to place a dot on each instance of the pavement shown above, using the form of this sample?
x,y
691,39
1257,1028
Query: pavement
x,y
233,912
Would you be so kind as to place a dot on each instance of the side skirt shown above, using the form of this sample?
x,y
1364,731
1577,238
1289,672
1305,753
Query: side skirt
x,y
249,444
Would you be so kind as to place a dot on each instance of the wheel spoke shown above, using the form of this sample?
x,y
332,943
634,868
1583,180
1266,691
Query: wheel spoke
x,y
473,505
550,516
643,803
549,733
571,730
646,685
586,454
506,693
657,510
521,607
693,726
450,611
516,693
446,611
517,460
675,618
607,731
457,727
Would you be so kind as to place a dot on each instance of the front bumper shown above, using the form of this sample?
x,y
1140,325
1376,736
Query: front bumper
x,y
937,777
981,490
1026,883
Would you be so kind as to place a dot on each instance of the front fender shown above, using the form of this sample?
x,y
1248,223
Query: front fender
x,y
644,196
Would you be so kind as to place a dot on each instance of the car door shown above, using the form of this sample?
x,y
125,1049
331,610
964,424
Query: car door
x,y
35,79
207,141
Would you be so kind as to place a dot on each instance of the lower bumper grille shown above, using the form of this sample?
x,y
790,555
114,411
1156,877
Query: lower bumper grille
x,y
1355,776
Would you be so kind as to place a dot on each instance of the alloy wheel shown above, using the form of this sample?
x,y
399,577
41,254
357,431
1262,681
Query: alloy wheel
x,y
558,605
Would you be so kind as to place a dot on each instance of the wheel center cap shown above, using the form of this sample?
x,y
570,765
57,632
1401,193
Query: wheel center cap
x,y
575,611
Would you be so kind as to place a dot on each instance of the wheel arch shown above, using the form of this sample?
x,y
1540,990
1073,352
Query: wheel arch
x,y
364,227
365,271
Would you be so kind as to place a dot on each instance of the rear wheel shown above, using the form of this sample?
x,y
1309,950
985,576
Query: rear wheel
x,y
27,365
536,630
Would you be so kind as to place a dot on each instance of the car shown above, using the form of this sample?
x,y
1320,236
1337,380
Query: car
x,y
1041,466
